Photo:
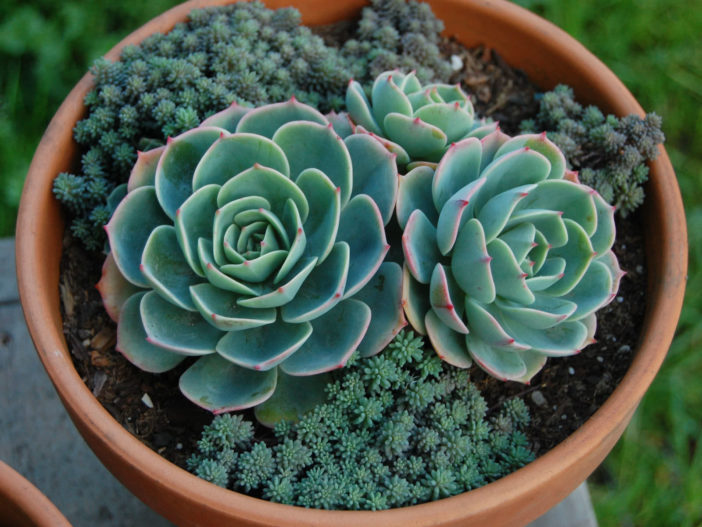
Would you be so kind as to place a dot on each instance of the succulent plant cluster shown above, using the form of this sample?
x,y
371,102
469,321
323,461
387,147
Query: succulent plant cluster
x,y
397,34
255,242
610,153
398,429
242,52
506,257
419,121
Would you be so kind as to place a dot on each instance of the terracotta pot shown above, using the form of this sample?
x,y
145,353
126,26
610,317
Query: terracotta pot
x,y
549,56
23,505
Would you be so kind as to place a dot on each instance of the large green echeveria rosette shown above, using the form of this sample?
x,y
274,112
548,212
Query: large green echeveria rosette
x,y
255,243
417,123
507,256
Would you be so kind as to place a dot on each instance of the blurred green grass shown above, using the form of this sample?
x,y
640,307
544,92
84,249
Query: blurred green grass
x,y
654,475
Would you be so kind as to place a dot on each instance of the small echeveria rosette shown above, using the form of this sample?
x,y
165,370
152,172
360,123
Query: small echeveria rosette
x,y
418,123
255,243
507,256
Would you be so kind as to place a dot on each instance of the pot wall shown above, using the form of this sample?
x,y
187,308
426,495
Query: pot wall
x,y
23,505
549,56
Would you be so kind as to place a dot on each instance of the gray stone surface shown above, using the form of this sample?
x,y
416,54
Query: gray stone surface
x,y
38,439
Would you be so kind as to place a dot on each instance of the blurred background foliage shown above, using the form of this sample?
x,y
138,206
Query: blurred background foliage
x,y
653,476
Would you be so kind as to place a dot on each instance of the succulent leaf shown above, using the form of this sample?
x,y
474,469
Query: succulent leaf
x,y
114,288
361,226
374,172
335,336
165,268
310,145
218,385
267,120
261,348
144,171
231,155
174,172
220,308
414,192
294,396
132,341
383,295
227,119
129,229
175,329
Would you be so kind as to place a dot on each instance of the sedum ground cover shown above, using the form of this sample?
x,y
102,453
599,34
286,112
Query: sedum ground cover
x,y
652,476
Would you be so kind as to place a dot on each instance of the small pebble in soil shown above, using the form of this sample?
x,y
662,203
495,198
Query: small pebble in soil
x,y
538,398
600,359
147,401
456,63
571,370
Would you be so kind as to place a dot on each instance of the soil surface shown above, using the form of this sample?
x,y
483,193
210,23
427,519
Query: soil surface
x,y
561,397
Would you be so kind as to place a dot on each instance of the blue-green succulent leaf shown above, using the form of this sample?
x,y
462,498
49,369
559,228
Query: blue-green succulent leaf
x,y
419,139
216,277
233,154
415,193
322,289
383,295
219,307
176,329
447,299
220,386
311,145
335,336
419,247
130,228
388,98
459,166
415,300
498,362
266,120
457,210
508,276
361,226
144,171
132,343
470,263
360,109
194,221
449,344
267,183
374,172
228,118
322,224
174,173
294,396
166,269
279,295
262,348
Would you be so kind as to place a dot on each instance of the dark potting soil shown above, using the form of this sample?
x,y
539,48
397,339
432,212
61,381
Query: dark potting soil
x,y
561,397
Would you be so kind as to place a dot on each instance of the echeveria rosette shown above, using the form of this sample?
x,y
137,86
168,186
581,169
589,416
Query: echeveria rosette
x,y
507,256
255,242
416,122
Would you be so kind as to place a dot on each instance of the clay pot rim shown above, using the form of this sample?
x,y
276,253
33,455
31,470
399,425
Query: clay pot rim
x,y
94,422
24,498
